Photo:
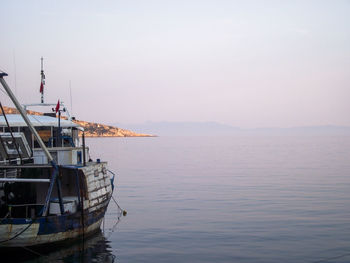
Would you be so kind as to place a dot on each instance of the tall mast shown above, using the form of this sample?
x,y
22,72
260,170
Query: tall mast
x,y
42,83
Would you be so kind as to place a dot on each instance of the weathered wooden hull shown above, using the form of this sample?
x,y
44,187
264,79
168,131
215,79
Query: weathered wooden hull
x,y
45,230
19,232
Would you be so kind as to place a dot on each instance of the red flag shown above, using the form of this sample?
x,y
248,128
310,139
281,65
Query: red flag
x,y
58,106
41,87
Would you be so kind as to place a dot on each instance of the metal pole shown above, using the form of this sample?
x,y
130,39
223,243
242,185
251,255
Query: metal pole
x,y
3,146
42,79
10,129
58,144
49,192
77,187
24,180
25,117
59,193
84,156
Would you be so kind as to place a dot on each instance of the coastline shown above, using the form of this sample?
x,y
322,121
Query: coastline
x,y
92,129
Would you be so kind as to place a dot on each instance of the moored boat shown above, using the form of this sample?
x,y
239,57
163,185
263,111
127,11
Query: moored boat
x,y
50,190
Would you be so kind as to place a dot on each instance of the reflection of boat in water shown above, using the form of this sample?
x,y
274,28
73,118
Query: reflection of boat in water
x,y
95,248
49,192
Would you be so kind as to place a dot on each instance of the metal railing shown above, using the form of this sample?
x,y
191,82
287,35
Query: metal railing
x,y
27,207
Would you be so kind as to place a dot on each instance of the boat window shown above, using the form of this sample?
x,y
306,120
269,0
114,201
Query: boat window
x,y
79,158
75,136
45,135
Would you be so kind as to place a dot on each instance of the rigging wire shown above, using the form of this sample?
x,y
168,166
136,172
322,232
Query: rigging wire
x,y
10,130
2,89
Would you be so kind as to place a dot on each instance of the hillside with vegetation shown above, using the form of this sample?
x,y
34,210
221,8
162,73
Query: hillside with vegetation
x,y
92,129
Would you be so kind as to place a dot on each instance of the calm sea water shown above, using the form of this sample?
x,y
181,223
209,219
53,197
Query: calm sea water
x,y
225,199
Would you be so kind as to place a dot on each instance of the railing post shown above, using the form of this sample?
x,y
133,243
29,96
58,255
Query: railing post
x,y
52,183
84,155
59,192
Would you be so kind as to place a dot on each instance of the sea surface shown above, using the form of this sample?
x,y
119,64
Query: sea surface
x,y
223,199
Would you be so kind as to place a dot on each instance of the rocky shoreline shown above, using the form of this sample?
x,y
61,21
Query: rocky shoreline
x,y
92,129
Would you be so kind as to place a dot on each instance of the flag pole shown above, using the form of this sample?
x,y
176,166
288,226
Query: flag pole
x,y
42,80
59,138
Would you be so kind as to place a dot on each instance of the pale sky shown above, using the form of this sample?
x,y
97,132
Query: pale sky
x,y
243,63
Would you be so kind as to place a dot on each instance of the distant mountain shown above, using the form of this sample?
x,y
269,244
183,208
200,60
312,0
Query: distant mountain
x,y
217,129
92,129
166,128
304,130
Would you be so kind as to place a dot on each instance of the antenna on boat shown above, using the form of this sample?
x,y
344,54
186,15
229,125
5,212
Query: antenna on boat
x,y
71,101
42,83
14,65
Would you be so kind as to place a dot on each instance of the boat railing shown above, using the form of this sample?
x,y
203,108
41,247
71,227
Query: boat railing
x,y
8,173
13,207
112,176
16,161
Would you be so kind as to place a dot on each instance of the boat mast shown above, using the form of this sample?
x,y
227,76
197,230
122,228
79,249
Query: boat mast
x,y
42,83
24,116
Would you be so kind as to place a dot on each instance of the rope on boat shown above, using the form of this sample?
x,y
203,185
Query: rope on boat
x,y
2,219
19,233
112,229
123,211
112,183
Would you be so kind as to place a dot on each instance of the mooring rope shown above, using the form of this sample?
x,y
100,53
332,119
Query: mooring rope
x,y
111,230
123,211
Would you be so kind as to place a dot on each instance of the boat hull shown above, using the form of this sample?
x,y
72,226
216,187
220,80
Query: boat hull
x,y
19,232
52,229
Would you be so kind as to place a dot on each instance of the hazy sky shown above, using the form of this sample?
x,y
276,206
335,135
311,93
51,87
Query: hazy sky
x,y
243,63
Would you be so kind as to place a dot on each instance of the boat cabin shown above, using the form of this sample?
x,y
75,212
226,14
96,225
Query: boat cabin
x,y
60,137
24,186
